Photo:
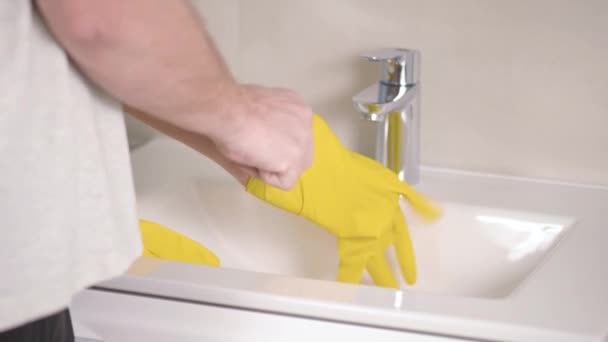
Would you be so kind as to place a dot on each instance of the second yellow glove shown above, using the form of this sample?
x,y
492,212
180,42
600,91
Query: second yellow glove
x,y
356,199
164,243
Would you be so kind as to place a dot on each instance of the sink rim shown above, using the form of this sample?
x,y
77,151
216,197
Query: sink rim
x,y
520,317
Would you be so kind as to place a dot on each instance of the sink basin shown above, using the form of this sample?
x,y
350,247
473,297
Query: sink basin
x,y
471,251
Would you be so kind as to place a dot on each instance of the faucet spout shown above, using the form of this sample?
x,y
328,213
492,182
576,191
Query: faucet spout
x,y
395,107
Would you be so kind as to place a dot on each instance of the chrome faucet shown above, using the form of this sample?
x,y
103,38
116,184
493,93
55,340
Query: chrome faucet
x,y
394,104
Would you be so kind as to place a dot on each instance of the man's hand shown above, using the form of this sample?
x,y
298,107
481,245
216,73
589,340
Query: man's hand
x,y
270,130
356,199
267,134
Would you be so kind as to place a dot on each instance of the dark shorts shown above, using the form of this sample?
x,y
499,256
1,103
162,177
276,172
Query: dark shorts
x,y
54,328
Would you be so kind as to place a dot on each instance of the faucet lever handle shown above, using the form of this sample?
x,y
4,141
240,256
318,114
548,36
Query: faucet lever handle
x,y
401,66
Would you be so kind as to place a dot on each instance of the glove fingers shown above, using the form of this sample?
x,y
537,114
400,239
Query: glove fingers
x,y
404,248
419,202
166,244
350,271
380,271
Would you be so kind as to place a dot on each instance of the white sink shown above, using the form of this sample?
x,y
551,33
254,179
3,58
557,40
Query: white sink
x,y
471,251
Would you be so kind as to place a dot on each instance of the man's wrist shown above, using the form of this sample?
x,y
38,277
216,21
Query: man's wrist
x,y
210,109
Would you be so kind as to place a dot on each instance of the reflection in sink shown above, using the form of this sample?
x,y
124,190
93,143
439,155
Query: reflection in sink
x,y
478,251
538,235
470,251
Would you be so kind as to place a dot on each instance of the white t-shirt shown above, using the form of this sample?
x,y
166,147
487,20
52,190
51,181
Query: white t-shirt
x,y
67,204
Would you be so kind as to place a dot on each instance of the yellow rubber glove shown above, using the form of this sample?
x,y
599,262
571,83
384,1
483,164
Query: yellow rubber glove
x,y
356,199
164,243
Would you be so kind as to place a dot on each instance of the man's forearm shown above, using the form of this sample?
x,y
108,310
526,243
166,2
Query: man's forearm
x,y
153,55
197,142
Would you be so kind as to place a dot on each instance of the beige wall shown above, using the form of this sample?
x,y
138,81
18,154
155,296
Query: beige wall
x,y
512,87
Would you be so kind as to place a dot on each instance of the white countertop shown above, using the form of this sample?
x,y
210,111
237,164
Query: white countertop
x,y
565,299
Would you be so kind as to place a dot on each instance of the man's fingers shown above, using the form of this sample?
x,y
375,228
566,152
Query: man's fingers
x,y
380,271
271,178
404,248
282,180
243,173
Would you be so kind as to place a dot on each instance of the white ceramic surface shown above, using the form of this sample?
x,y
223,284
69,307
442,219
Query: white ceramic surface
x,y
563,300
471,251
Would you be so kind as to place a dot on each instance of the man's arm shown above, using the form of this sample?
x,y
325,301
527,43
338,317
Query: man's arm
x,y
197,142
155,55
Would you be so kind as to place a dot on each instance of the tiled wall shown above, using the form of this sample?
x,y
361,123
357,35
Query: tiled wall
x,y
512,87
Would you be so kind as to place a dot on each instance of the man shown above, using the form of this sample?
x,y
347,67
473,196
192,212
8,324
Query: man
x,y
66,196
